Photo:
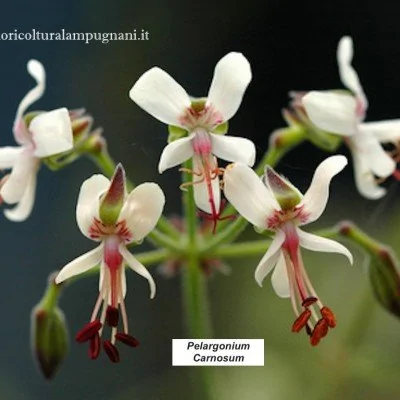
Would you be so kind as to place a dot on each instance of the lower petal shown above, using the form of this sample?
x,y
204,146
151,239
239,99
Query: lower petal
x,y
234,149
176,153
385,131
9,156
321,244
280,279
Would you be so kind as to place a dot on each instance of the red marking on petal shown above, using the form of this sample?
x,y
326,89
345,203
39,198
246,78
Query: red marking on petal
x,y
112,316
88,331
111,351
301,321
127,339
328,316
309,301
94,346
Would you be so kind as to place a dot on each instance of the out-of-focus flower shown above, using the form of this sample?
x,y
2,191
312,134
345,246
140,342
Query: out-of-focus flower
x,y
276,205
44,135
106,214
200,119
343,113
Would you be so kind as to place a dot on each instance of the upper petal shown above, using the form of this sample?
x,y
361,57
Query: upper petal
x,y
9,156
316,197
347,73
280,279
52,132
80,264
87,208
232,75
142,209
36,70
251,198
332,112
24,207
161,96
138,268
270,258
385,131
234,149
318,243
176,153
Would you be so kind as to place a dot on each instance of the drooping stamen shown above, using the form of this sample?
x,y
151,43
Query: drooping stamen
x,y
320,330
127,339
88,331
111,351
94,346
217,217
309,301
328,316
112,316
301,321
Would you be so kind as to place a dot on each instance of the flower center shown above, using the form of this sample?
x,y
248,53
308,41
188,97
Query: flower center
x,y
200,116
99,230
282,217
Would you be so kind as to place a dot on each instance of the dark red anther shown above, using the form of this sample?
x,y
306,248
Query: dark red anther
x,y
111,351
94,346
320,331
328,316
88,331
309,301
127,339
301,321
112,316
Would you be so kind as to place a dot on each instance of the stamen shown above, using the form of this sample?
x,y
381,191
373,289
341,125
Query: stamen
x,y
309,301
328,316
127,339
320,331
88,331
111,351
94,347
112,316
301,321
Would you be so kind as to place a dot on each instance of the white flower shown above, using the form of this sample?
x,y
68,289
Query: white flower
x,y
343,114
162,97
106,214
278,206
48,133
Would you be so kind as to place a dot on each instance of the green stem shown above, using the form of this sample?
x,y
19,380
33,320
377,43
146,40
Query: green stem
x,y
243,249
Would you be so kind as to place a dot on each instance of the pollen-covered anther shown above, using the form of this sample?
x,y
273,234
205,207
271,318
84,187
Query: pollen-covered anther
x,y
111,351
88,331
94,347
112,316
328,316
301,321
309,301
320,331
127,339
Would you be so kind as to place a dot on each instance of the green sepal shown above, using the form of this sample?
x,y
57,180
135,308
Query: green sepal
x,y
221,129
175,133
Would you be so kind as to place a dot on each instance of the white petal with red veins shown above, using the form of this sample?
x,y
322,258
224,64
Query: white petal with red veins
x,y
176,153
234,149
251,198
87,208
52,132
24,207
316,197
385,131
280,279
140,269
332,112
161,96
321,244
347,73
270,258
232,75
142,209
81,264
9,156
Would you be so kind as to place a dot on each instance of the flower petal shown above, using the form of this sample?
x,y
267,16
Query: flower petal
x,y
201,189
138,268
176,153
234,149
161,96
318,243
270,258
9,156
36,70
385,131
14,188
232,75
347,73
251,198
280,279
81,264
87,208
142,209
316,197
24,207
332,112
52,132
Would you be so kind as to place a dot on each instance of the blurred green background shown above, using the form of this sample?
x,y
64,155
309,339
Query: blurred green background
x,y
291,46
